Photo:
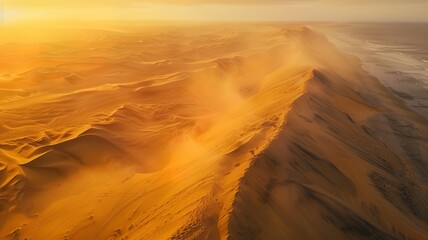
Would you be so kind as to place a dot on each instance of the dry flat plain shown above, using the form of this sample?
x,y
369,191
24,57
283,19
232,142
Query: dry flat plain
x,y
203,132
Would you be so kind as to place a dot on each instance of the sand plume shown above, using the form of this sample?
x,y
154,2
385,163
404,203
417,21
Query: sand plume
x,y
219,132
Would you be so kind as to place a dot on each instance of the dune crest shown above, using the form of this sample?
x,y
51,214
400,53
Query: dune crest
x,y
220,132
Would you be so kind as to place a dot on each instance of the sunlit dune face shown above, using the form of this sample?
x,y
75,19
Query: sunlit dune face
x,y
151,115
116,126
198,132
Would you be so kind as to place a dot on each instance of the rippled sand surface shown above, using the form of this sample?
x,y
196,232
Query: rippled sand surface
x,y
203,132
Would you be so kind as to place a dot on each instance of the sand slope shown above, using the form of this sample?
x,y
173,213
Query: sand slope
x,y
219,132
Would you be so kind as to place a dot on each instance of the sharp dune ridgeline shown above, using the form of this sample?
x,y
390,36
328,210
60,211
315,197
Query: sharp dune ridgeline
x,y
204,132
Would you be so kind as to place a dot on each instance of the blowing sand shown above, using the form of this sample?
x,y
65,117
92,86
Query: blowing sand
x,y
219,132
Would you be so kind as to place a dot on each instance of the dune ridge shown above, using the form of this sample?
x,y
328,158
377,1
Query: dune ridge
x,y
330,173
226,132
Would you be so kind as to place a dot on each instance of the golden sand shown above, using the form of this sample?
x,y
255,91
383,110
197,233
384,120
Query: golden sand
x,y
203,132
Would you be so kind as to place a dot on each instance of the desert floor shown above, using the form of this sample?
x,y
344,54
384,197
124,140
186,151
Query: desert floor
x,y
203,132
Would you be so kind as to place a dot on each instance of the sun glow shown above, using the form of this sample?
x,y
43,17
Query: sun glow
x,y
48,10
8,16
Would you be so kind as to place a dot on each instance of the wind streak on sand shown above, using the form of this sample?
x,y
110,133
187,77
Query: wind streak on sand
x,y
210,132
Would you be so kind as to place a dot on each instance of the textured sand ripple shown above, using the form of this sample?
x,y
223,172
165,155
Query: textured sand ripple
x,y
204,132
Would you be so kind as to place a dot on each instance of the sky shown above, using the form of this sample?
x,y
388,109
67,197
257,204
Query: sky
x,y
216,10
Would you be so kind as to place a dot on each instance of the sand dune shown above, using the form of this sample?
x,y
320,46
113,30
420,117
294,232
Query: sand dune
x,y
219,132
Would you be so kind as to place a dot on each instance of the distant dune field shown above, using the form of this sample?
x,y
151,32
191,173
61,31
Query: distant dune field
x,y
203,132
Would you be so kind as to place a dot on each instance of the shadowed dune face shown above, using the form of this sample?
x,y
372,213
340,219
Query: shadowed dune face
x,y
219,132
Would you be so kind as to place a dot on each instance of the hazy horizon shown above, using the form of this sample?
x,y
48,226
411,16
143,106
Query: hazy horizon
x,y
215,10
